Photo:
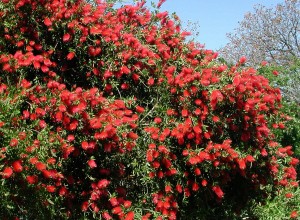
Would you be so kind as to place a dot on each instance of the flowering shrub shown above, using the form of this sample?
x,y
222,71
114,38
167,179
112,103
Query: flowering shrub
x,y
109,113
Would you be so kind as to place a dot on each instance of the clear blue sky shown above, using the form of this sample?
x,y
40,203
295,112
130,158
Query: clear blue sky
x,y
215,18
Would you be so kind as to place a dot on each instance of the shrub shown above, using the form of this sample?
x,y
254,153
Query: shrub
x,y
109,113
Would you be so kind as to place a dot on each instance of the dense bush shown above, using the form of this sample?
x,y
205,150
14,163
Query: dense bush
x,y
109,113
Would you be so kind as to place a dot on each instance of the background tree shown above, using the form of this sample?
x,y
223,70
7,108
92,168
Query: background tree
x,y
270,34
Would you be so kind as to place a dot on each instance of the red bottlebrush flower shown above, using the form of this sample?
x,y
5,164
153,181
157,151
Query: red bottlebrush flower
x,y
63,191
215,118
179,188
264,152
70,56
187,192
106,216
85,206
133,135
140,109
216,96
51,188
289,195
184,113
156,164
168,188
66,37
40,166
47,22
32,179
195,187
243,60
85,145
125,70
197,129
47,174
17,166
33,160
150,82
127,204
263,63
242,164
44,69
294,214
135,77
129,216
71,137
92,164
62,108
7,172
14,142
95,123
159,4
22,135
103,183
249,158
197,171
194,160
157,120
149,156
294,161
281,125
51,161
114,202
42,124
218,191
117,210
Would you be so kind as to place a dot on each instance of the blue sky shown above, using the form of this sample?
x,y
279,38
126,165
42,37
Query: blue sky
x,y
215,18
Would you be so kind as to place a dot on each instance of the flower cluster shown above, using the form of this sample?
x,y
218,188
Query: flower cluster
x,y
111,112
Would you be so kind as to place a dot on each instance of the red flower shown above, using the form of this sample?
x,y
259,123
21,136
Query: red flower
x,y
243,60
160,3
129,216
70,56
32,179
40,166
294,214
242,164
85,206
85,145
114,202
184,113
127,204
92,164
106,216
66,37
117,210
17,166
103,183
7,172
289,195
157,120
47,22
51,188
133,135
195,187
140,109
14,142
218,191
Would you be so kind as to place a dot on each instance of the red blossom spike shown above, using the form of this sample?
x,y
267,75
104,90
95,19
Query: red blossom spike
x,y
7,172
